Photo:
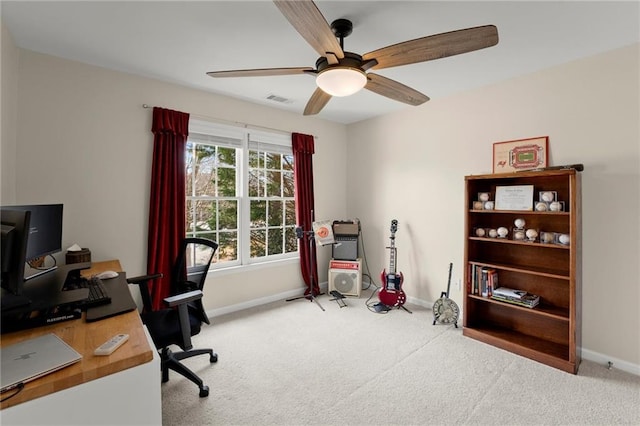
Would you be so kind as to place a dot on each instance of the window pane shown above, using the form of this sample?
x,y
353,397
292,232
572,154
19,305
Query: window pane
x,y
258,243
287,162
228,214
290,213
254,183
189,222
287,184
204,171
226,182
274,184
275,241
226,156
291,241
258,212
275,213
256,159
205,216
189,161
273,161
228,246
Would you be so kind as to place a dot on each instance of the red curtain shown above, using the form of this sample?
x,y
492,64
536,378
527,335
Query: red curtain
x,y
167,201
303,149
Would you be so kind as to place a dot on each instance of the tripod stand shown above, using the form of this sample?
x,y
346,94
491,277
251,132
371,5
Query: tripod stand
x,y
311,240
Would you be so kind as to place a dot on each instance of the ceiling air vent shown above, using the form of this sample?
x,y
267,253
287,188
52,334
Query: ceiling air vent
x,y
280,99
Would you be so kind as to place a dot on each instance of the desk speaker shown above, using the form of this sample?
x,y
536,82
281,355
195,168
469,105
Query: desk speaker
x,y
346,277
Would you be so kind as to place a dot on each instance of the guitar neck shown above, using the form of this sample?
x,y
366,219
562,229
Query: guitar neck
x,y
392,258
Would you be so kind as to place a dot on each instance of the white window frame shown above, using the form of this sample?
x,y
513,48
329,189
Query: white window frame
x,y
243,139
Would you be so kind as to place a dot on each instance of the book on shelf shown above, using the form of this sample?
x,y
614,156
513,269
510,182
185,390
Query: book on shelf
x,y
482,280
516,297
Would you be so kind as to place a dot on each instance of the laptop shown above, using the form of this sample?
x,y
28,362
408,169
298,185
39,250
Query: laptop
x,y
28,360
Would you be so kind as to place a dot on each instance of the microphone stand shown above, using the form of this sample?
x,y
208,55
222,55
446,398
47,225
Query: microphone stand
x,y
311,240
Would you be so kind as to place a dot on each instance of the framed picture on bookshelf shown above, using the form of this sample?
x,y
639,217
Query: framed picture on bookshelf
x,y
521,154
514,197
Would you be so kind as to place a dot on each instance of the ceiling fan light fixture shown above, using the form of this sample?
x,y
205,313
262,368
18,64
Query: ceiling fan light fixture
x,y
341,81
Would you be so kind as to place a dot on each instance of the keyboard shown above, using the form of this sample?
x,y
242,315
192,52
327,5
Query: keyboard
x,y
98,294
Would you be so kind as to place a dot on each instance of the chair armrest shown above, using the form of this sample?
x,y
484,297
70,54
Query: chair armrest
x,y
143,284
180,299
143,278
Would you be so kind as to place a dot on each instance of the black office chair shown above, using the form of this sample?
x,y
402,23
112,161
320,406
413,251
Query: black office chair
x,y
184,314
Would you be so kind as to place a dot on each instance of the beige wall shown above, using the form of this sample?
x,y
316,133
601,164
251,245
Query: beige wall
x,y
83,139
411,166
8,115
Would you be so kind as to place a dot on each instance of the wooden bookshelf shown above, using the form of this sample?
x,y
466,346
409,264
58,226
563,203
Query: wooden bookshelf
x,y
549,333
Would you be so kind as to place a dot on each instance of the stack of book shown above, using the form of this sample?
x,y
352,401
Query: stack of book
x,y
482,280
515,297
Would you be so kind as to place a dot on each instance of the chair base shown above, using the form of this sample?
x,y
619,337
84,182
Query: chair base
x,y
171,361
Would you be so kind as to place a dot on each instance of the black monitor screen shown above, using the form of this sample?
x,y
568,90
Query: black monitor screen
x,y
45,229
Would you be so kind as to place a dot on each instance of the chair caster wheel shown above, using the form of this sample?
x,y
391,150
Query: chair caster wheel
x,y
204,391
213,358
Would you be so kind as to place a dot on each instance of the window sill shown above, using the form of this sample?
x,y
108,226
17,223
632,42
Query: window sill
x,y
253,267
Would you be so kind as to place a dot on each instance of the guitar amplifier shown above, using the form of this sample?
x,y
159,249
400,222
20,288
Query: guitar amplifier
x,y
345,248
346,277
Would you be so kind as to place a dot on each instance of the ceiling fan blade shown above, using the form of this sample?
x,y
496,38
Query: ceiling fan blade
x,y
392,89
261,72
317,101
434,47
309,22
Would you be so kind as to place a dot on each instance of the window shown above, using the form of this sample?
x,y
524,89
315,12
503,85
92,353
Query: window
x,y
240,192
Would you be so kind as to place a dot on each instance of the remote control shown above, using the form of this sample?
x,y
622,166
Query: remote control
x,y
111,345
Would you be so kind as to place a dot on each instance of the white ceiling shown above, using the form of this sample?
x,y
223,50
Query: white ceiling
x,y
179,42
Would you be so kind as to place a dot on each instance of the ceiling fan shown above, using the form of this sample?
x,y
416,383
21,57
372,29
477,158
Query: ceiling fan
x,y
340,73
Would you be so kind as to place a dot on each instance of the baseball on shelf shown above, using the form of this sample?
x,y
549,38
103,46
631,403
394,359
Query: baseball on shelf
x,y
480,232
541,207
555,206
518,235
502,232
547,237
547,196
488,205
564,239
519,223
484,196
493,233
532,234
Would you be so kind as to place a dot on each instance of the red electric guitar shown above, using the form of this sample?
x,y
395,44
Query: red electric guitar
x,y
391,293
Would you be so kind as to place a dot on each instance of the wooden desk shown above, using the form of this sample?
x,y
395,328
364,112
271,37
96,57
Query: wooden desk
x,y
85,337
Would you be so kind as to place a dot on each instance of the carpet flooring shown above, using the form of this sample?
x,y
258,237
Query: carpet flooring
x,y
290,363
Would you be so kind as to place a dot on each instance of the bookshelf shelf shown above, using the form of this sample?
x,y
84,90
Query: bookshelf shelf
x,y
542,309
551,331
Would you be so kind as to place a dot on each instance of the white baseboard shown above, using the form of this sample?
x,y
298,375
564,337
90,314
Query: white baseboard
x,y
212,313
586,353
616,363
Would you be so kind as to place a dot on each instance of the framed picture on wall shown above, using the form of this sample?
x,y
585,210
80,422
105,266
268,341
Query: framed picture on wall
x,y
521,154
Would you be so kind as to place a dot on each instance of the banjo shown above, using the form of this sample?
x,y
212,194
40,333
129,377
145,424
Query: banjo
x,y
445,310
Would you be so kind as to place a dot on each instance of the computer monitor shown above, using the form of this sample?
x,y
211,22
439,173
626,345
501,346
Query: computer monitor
x,y
15,235
45,229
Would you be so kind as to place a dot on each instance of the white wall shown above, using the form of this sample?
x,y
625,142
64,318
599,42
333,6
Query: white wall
x,y
411,166
84,140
